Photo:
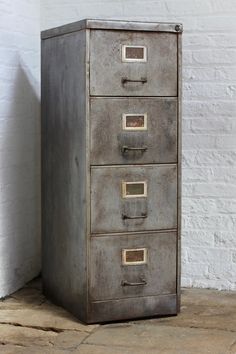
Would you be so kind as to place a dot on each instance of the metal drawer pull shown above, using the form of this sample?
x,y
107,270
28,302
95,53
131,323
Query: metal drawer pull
x,y
126,148
143,80
127,283
124,217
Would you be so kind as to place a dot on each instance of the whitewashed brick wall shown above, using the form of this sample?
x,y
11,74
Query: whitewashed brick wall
x,y
209,122
19,143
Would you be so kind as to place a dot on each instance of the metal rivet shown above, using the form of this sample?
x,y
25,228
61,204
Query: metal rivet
x,y
178,28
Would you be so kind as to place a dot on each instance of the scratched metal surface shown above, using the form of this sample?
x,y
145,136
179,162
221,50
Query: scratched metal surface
x,y
108,138
108,272
108,206
107,69
64,230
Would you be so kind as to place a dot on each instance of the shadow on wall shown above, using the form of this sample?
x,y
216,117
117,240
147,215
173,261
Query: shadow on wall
x,y
20,219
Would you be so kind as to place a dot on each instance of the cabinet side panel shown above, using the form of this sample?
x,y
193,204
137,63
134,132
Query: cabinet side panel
x,y
64,240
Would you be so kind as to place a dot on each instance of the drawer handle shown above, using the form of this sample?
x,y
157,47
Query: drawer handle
x,y
127,283
124,80
129,148
143,216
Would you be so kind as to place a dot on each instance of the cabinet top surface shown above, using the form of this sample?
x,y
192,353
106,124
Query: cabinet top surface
x,y
112,25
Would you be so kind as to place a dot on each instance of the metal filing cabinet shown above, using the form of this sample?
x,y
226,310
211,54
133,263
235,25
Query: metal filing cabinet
x,y
111,108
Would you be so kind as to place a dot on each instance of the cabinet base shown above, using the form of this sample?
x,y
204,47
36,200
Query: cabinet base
x,y
131,308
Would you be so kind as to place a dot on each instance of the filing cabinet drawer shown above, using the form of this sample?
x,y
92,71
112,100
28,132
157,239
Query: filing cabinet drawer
x,y
119,269
133,63
133,198
133,130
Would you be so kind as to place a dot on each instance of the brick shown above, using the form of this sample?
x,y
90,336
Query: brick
x,y
199,206
220,270
226,206
207,126
219,108
183,9
223,174
215,158
207,74
226,142
200,255
209,222
206,40
197,174
215,56
225,240
198,74
208,190
199,141
234,256
137,7
205,91
199,238
192,270
218,7
188,157
213,24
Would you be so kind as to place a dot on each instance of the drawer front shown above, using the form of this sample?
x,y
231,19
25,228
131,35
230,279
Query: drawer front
x,y
116,273
133,130
126,63
127,308
128,198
